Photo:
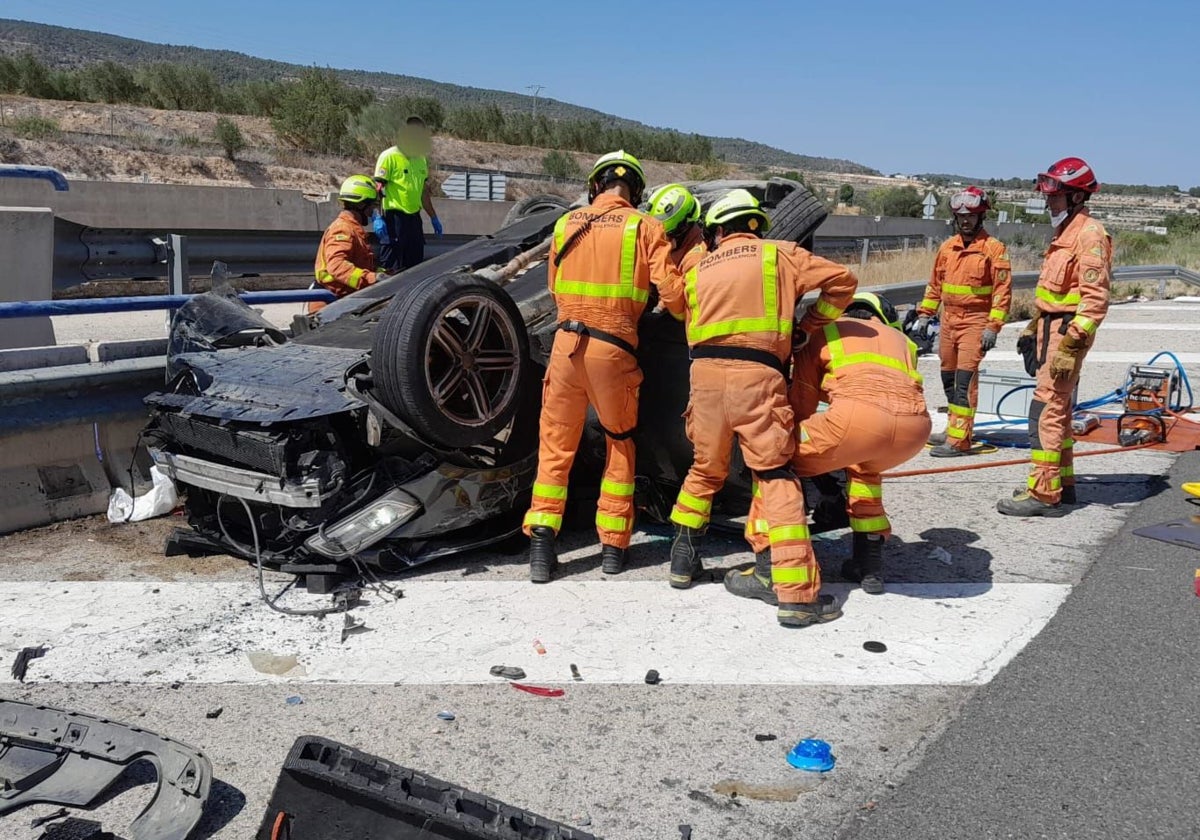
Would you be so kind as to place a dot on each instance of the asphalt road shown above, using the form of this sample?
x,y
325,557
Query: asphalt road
x,y
1093,731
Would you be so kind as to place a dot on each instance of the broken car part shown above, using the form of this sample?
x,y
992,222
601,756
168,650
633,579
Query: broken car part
x,y
21,664
329,791
56,757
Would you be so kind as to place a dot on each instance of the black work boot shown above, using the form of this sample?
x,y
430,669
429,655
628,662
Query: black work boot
x,y
542,556
612,560
937,439
1027,505
868,561
754,582
825,608
685,556
1068,495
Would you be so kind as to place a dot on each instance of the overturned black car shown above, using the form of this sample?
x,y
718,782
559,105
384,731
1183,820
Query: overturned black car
x,y
400,424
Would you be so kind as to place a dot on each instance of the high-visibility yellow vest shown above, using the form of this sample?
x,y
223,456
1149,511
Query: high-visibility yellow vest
x,y
839,359
622,286
771,320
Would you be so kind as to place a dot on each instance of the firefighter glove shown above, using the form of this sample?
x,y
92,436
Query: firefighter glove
x,y
1062,365
989,340
437,226
922,330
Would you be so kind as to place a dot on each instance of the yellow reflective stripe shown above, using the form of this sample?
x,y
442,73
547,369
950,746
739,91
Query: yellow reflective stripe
x,y
859,490
549,491
1045,456
873,359
1056,483
870,524
782,533
757,526
928,303
756,489
626,287
958,434
1086,324
791,574
769,321
952,289
611,523
802,435
1068,443
694,502
1031,482
1067,472
827,309
534,519
1064,299
616,488
998,315
962,411
688,520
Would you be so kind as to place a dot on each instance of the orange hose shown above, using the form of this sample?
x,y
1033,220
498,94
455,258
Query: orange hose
x,y
1009,463
280,823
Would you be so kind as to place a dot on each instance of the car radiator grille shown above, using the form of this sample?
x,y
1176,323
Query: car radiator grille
x,y
254,450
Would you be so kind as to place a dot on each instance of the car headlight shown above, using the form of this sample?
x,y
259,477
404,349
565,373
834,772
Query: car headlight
x,y
365,527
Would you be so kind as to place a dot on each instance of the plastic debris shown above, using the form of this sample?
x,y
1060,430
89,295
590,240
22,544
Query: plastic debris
x,y
352,624
159,500
509,672
540,691
295,700
60,814
445,715
1197,583
874,647
575,675
813,755
278,664
213,714
763,738
652,677
20,665
941,555
539,647
685,832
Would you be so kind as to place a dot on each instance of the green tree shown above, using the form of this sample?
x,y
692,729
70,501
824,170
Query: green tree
x,y
109,82
34,77
378,125
559,164
894,201
10,75
846,195
229,136
1194,192
314,112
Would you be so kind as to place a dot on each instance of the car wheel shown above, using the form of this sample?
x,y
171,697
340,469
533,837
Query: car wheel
x,y
534,204
797,216
449,357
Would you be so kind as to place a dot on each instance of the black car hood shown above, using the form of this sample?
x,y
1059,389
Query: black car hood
x,y
262,384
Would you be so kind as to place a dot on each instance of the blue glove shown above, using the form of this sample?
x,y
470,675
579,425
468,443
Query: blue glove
x,y
437,226
380,228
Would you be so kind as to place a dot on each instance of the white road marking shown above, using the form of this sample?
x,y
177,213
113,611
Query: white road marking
x,y
1097,356
1149,326
453,632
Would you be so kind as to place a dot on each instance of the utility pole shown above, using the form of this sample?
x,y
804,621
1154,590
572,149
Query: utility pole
x,y
535,89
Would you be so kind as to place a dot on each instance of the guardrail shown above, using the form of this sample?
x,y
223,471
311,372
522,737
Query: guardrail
x,y
147,303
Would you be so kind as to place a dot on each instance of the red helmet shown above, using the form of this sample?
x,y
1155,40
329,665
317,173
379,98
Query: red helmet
x,y
1068,174
970,200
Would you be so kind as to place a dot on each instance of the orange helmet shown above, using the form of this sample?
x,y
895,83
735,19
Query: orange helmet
x,y
971,200
1070,173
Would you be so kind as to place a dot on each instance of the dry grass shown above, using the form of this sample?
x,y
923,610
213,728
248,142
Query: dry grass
x,y
917,265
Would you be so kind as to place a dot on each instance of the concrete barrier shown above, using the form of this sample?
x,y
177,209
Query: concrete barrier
x,y
27,263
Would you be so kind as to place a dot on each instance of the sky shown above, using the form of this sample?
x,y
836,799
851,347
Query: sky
x,y
996,90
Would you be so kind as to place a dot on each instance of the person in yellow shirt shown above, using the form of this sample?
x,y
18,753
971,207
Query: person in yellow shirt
x,y
402,173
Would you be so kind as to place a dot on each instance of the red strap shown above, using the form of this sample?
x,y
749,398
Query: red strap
x,y
539,690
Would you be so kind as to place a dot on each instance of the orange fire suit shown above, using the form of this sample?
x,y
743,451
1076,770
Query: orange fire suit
x,y
690,250
741,302
345,261
973,282
601,286
1072,297
867,373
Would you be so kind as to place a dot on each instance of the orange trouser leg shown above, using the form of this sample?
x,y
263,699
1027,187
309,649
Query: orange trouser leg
x,y
564,410
961,353
711,434
612,379
756,409
1050,423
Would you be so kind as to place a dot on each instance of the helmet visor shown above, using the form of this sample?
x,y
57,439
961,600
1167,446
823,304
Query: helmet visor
x,y
965,202
1048,184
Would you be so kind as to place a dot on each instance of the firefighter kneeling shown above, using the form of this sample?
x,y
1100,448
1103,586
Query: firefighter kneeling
x,y
741,301
865,369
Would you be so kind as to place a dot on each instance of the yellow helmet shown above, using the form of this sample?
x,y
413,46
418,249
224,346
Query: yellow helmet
x,y
876,305
358,189
738,204
619,166
674,206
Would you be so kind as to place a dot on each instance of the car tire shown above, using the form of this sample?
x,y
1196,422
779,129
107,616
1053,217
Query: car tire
x,y
797,216
426,352
534,204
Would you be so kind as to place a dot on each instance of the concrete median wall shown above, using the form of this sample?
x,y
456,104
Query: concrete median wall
x,y
26,271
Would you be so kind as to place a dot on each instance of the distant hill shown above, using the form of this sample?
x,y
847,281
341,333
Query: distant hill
x,y
63,48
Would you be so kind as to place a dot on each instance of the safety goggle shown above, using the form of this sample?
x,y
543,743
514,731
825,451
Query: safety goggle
x,y
965,201
1048,184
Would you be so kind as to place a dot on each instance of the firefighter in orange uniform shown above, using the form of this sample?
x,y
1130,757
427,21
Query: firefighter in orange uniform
x,y
679,211
972,279
1072,300
603,260
865,369
741,302
345,261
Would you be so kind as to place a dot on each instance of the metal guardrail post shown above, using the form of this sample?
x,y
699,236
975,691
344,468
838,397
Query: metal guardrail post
x,y
866,252
177,259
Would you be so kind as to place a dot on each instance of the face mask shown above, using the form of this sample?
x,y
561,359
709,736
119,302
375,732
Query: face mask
x,y
1057,219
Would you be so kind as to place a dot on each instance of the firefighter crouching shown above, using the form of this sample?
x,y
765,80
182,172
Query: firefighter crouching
x,y
345,261
603,260
740,305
